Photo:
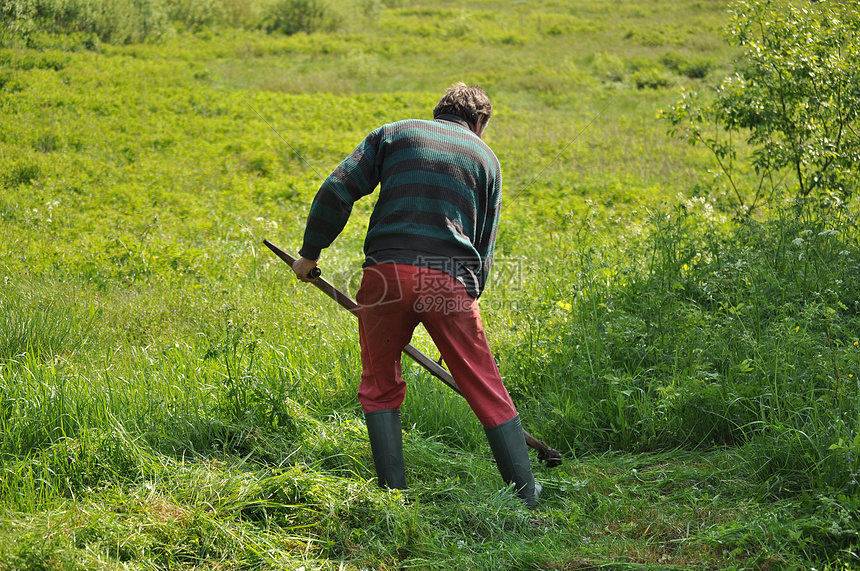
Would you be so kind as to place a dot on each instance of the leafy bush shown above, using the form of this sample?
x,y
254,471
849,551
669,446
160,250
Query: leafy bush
x,y
650,79
294,16
114,21
689,66
239,13
198,14
16,19
128,22
789,99
21,173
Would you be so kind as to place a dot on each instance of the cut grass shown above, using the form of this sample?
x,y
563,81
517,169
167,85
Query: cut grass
x,y
672,509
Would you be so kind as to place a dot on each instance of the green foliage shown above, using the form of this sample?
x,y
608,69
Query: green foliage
x,y
113,21
120,22
38,321
171,398
294,16
17,20
21,174
792,98
695,67
649,79
702,335
201,14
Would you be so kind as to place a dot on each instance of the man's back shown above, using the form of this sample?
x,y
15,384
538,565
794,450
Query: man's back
x,y
439,200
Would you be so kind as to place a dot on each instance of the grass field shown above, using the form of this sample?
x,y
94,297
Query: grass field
x,y
173,399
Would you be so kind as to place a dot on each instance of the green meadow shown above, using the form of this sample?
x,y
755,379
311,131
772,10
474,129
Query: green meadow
x,y
171,398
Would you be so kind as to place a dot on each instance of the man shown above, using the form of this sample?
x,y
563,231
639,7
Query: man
x,y
428,252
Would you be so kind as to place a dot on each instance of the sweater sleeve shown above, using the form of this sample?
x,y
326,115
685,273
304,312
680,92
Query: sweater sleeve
x,y
355,177
486,241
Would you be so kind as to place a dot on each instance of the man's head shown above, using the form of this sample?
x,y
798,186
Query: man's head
x,y
467,102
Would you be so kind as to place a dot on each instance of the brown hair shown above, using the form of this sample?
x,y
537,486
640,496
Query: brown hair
x,y
468,102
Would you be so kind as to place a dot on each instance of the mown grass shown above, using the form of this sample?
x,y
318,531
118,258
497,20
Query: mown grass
x,y
171,399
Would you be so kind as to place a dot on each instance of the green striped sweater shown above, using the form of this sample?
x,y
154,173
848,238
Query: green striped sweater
x,y
439,199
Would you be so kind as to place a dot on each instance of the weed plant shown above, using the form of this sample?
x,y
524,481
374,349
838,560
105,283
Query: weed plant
x,y
171,399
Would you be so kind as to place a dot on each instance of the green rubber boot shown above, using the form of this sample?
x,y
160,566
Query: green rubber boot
x,y
512,457
386,442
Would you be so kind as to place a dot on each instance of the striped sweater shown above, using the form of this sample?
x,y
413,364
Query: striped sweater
x,y
438,205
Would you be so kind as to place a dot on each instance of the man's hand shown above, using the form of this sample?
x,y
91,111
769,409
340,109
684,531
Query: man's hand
x,y
303,268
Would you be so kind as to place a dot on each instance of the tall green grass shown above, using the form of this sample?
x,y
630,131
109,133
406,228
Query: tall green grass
x,y
170,398
39,320
699,333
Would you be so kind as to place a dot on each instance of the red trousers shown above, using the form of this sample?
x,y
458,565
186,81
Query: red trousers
x,y
393,300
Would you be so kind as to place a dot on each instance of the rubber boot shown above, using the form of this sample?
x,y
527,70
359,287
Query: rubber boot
x,y
386,443
512,457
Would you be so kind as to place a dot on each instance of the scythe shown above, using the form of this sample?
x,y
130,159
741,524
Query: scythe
x,y
545,454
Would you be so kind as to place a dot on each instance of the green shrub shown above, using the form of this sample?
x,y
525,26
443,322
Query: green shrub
x,y
16,20
786,100
689,66
608,66
113,21
127,22
650,79
240,13
198,14
20,172
294,16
